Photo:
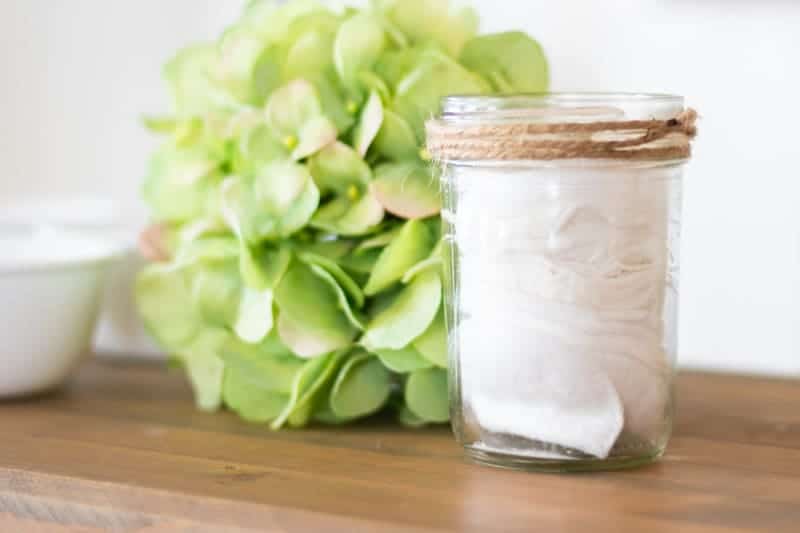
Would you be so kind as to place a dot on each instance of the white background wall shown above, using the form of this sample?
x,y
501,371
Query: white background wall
x,y
75,76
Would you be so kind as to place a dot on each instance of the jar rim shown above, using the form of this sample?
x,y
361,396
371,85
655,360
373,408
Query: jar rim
x,y
561,106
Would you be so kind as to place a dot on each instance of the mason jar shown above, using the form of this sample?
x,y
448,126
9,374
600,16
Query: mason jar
x,y
562,220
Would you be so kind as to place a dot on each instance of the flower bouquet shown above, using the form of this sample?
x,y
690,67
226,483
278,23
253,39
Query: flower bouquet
x,y
298,269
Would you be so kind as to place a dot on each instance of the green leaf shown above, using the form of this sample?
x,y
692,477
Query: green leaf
x,y
403,361
311,320
369,124
311,378
432,344
408,316
412,244
362,387
426,395
512,61
407,190
396,139
358,45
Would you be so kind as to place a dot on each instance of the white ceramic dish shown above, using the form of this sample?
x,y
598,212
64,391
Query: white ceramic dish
x,y
51,284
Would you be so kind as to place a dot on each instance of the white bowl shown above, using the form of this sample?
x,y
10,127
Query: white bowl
x,y
51,284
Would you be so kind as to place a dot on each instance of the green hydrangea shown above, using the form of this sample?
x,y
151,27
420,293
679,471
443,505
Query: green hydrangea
x,y
305,275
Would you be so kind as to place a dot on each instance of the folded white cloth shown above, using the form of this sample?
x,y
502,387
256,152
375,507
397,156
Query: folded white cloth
x,y
562,277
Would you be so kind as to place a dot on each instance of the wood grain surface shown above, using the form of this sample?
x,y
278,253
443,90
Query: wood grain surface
x,y
123,449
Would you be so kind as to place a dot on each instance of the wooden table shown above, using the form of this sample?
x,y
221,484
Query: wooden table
x,y
122,449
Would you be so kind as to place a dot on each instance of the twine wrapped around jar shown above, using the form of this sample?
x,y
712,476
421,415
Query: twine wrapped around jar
x,y
632,140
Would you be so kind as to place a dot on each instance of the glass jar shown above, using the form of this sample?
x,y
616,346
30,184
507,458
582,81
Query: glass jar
x,y
562,275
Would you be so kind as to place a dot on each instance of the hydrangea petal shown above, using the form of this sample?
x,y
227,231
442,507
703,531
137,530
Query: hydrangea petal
x,y
346,282
427,396
163,299
254,318
408,316
419,93
362,387
407,190
337,168
512,61
310,312
269,364
403,361
358,44
307,383
369,124
295,115
345,217
432,344
412,244
396,140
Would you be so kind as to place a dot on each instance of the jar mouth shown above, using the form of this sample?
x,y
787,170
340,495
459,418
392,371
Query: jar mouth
x,y
561,107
